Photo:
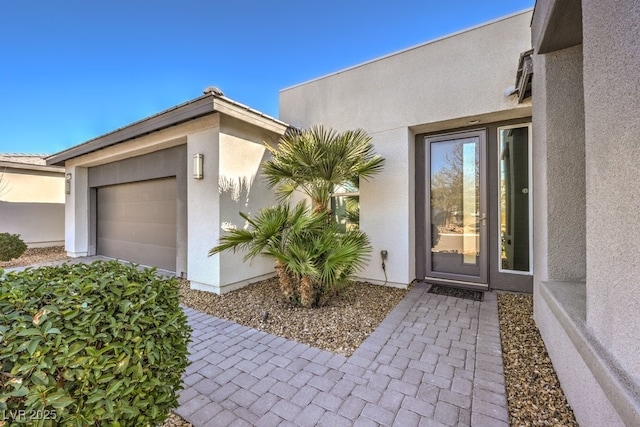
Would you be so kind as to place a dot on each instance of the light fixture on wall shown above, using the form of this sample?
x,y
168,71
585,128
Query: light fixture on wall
x,y
198,161
67,183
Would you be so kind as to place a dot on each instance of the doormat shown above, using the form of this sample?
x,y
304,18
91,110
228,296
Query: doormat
x,y
450,291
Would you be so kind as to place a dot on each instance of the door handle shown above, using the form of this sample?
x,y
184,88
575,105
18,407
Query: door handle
x,y
483,219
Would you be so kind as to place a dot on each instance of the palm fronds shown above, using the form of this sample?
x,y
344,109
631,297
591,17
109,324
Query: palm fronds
x,y
313,257
317,160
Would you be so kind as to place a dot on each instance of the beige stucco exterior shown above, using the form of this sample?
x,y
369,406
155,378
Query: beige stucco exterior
x,y
32,203
586,125
232,147
586,122
32,186
612,126
233,152
437,85
444,84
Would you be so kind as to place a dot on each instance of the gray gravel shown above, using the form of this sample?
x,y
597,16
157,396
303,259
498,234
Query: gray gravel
x,y
33,256
174,420
340,326
533,390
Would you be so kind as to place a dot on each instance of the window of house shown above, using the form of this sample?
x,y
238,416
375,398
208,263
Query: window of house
x,y
515,198
345,206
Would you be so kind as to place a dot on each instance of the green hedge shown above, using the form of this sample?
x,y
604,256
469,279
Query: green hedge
x,y
11,246
100,344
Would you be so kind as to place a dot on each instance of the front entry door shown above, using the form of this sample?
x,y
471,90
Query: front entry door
x,y
456,209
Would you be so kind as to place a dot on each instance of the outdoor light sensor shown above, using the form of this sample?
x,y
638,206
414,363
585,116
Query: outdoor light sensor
x,y
198,160
67,183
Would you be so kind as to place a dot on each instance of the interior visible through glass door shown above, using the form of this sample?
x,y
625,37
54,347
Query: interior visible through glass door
x,y
515,199
456,207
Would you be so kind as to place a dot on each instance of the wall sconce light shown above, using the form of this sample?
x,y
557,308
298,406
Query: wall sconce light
x,y
198,161
67,183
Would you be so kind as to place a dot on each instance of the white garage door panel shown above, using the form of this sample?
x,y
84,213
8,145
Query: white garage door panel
x,y
137,222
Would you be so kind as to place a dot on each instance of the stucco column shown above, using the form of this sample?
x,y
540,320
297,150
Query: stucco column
x,y
612,116
558,167
203,215
76,234
387,210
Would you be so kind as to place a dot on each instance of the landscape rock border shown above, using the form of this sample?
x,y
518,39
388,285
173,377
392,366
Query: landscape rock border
x,y
534,395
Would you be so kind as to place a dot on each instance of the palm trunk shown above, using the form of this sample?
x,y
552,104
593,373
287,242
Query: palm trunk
x,y
320,205
307,292
284,279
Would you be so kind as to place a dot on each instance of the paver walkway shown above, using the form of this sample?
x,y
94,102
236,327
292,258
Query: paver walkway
x,y
433,361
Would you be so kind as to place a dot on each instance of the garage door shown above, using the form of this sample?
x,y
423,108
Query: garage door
x,y
137,222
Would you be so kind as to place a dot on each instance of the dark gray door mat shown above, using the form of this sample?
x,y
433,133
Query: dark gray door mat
x,y
450,291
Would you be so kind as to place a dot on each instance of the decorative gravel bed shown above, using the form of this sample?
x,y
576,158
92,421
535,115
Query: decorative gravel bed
x,y
174,420
533,390
34,256
340,326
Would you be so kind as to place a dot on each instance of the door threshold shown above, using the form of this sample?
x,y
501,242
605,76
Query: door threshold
x,y
458,283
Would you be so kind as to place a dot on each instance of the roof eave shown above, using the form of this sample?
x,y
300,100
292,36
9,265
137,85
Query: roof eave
x,y
183,112
28,166
201,106
556,25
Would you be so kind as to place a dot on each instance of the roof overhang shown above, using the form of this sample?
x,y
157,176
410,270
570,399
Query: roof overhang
x,y
29,167
207,104
556,25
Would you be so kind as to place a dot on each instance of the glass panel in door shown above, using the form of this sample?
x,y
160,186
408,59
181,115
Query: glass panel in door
x,y
515,218
456,207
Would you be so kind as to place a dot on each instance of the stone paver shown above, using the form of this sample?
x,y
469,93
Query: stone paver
x,y
434,360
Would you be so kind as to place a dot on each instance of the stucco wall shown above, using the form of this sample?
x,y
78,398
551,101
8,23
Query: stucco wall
x,y
203,211
462,75
26,186
588,399
242,189
612,116
592,331
436,86
32,205
76,213
38,224
558,167
77,204
386,209
232,151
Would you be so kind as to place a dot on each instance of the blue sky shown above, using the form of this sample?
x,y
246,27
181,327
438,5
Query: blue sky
x,y
71,70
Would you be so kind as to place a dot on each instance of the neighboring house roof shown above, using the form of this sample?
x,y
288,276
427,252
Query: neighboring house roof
x,y
32,159
36,162
211,102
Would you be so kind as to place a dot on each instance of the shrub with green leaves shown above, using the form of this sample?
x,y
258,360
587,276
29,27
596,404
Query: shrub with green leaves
x,y
11,246
100,344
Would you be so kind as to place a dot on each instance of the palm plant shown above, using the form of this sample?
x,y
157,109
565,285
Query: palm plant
x,y
318,160
272,233
313,259
322,262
